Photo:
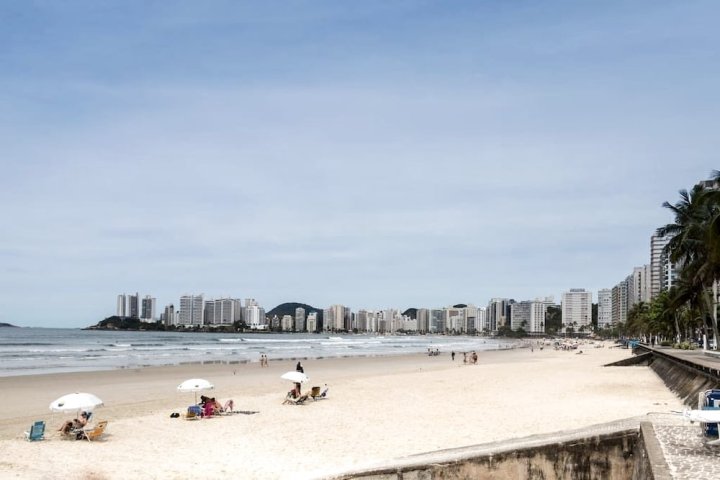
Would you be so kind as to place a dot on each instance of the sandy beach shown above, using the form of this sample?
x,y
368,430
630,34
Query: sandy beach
x,y
378,408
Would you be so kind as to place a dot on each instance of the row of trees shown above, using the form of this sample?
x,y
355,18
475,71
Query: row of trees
x,y
689,306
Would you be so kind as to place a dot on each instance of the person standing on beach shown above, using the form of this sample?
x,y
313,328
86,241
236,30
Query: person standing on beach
x,y
299,368
452,356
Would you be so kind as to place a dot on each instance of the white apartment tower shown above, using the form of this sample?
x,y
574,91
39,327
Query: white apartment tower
x,y
471,313
254,317
312,322
605,308
286,323
639,286
423,320
299,319
538,312
191,310
122,305
481,325
662,270
577,310
334,318
619,303
455,320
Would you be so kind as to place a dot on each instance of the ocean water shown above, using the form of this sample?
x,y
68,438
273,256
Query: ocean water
x,y
28,351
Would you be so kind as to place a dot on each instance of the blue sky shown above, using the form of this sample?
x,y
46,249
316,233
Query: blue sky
x,y
375,154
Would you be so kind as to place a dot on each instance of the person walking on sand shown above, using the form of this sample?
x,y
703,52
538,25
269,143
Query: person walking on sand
x,y
452,355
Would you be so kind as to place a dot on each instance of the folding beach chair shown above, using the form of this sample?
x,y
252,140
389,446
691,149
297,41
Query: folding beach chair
x,y
93,433
36,432
289,400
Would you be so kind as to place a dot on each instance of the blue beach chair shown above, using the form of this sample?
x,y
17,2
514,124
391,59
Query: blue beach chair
x,y
37,431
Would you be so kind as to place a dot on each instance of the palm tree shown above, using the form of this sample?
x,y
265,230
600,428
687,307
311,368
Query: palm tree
x,y
694,246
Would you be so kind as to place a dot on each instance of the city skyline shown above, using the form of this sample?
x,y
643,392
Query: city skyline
x,y
375,154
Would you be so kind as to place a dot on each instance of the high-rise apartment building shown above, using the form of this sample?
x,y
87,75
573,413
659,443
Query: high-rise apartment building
x,y
455,320
437,320
662,270
334,318
639,285
191,310
604,308
287,323
538,313
148,309
481,321
299,319
520,316
254,316
471,314
577,310
498,313
530,315
312,322
122,305
134,306
169,315
423,320
619,302
222,311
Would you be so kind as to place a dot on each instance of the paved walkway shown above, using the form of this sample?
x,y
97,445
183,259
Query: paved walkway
x,y
682,444
711,361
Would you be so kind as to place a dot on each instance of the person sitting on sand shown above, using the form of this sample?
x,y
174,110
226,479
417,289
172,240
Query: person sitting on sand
x,y
74,424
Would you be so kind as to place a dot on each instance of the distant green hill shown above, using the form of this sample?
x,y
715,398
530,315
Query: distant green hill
x,y
125,323
8,325
289,309
411,312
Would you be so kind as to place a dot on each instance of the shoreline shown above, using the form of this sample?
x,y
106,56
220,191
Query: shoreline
x,y
499,347
63,352
378,408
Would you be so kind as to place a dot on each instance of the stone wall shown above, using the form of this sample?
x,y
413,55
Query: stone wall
x,y
600,453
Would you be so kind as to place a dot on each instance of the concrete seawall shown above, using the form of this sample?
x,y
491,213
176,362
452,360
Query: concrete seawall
x,y
610,451
685,373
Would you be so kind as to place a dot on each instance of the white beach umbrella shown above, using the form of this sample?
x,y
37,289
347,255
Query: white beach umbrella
x,y
75,402
297,377
195,385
